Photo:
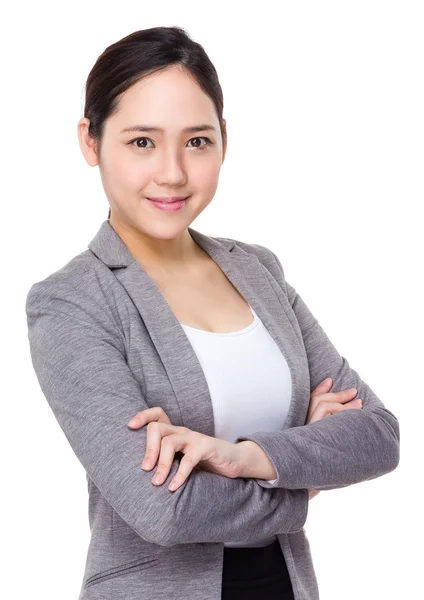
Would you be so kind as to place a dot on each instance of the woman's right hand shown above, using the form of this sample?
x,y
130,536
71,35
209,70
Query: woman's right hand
x,y
324,403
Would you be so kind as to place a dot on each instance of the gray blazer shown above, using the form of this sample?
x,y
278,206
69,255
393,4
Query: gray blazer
x,y
105,344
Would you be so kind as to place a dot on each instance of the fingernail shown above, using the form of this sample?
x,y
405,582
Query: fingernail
x,y
157,478
327,380
133,422
173,485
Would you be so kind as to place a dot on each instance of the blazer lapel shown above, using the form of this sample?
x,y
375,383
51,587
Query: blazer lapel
x,y
254,283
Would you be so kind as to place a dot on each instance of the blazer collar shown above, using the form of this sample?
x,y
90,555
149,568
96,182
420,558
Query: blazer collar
x,y
110,249
252,280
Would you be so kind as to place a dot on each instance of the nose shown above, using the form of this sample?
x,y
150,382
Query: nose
x,y
170,170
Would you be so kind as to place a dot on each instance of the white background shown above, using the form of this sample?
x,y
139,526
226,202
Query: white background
x,y
324,108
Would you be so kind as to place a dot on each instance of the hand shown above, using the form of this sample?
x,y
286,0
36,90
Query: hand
x,y
324,403
164,440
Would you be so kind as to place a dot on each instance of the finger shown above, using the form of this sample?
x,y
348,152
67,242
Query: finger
x,y
324,385
354,403
320,395
155,432
326,409
156,413
178,442
343,396
189,461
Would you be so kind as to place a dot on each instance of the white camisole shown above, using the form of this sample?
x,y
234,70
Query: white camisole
x,y
249,383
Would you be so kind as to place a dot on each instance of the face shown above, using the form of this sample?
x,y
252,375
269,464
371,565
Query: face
x,y
141,164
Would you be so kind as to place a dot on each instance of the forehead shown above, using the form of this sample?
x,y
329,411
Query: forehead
x,y
171,96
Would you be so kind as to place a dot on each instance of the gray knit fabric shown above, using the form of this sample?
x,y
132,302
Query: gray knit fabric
x,y
105,344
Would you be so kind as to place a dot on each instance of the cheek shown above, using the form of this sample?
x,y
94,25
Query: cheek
x,y
205,176
124,173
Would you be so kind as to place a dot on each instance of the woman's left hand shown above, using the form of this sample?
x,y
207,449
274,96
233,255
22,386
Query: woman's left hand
x,y
164,440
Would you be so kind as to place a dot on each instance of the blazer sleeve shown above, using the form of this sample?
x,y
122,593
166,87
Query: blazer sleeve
x,y
78,354
345,448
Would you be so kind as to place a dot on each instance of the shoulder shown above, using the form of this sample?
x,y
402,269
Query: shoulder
x,y
83,280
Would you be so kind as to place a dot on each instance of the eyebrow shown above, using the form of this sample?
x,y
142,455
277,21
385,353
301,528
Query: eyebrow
x,y
149,128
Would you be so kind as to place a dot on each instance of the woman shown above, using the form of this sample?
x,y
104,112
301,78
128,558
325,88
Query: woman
x,y
193,351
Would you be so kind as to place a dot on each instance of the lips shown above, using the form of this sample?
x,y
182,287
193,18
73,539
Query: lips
x,y
168,199
168,205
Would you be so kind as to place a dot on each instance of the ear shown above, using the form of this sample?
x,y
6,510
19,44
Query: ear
x,y
87,143
224,144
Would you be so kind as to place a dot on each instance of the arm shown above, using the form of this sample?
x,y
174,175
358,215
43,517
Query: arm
x,y
256,463
345,448
78,355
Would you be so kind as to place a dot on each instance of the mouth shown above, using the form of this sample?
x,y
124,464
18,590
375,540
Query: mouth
x,y
169,204
168,200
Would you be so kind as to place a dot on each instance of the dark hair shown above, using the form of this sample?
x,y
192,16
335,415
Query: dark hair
x,y
140,54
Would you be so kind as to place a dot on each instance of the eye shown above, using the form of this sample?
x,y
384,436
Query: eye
x,y
208,142
131,143
135,141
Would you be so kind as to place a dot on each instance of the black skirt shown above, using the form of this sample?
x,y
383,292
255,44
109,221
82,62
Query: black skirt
x,y
255,574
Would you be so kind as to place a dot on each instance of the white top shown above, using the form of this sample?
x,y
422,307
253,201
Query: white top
x,y
249,383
